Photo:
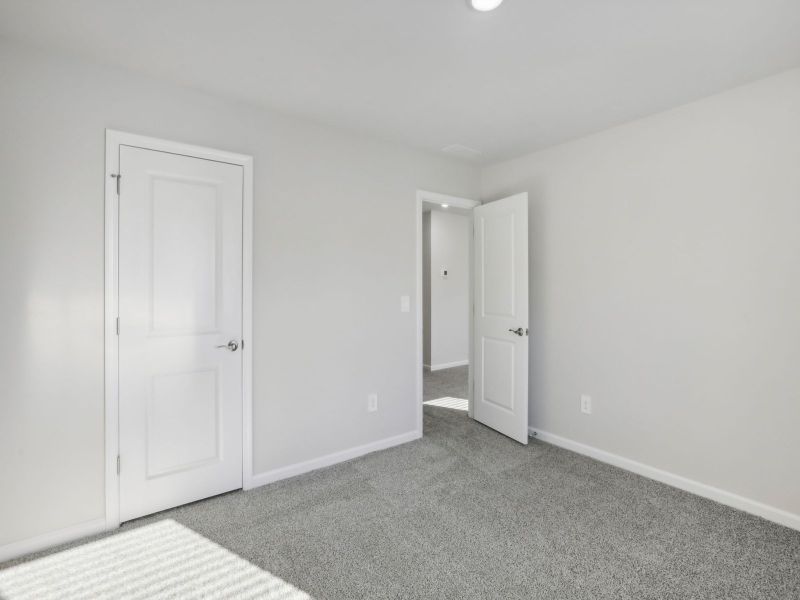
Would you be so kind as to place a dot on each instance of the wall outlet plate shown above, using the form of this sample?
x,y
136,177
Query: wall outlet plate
x,y
372,402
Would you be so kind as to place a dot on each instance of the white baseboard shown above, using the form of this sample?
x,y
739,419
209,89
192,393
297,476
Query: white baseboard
x,y
450,365
52,538
747,505
260,479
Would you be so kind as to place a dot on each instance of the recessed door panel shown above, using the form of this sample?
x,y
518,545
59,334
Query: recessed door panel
x,y
185,255
183,422
498,265
498,373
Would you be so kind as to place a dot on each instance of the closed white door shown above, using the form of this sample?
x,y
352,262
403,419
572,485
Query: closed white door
x,y
180,327
500,397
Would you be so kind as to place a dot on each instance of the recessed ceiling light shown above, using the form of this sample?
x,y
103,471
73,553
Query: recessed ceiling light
x,y
445,205
485,5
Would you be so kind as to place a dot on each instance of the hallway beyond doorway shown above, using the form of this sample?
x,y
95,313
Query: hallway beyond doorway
x,y
446,383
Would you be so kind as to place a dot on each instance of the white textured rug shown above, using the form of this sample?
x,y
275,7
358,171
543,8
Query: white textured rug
x,y
447,402
163,560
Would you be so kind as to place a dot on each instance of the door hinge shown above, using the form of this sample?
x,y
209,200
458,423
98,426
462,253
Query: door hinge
x,y
117,325
117,176
118,461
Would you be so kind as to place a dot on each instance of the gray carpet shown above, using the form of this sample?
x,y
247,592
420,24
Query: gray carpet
x,y
466,513
447,383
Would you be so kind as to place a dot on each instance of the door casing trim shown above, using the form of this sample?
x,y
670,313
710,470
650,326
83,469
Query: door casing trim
x,y
111,370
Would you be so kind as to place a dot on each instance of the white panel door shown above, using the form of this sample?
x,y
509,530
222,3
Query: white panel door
x,y
500,398
180,299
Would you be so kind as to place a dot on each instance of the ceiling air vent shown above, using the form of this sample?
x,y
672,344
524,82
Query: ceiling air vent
x,y
462,152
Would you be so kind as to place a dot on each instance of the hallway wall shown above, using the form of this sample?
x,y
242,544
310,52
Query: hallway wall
x,y
449,297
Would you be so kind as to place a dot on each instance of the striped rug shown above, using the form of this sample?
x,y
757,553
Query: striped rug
x,y
163,560
447,402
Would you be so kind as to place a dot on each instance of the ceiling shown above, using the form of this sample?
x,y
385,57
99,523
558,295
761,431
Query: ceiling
x,y
433,73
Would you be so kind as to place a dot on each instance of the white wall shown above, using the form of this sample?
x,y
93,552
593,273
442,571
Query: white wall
x,y
335,239
449,298
665,282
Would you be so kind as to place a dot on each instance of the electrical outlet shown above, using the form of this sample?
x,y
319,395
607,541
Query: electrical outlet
x,y
586,404
372,402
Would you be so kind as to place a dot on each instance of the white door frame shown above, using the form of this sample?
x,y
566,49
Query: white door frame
x,y
424,197
113,140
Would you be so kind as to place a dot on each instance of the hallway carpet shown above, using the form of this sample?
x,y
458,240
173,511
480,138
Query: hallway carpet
x,y
445,383
466,513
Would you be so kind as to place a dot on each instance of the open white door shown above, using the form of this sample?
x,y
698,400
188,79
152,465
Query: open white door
x,y
501,316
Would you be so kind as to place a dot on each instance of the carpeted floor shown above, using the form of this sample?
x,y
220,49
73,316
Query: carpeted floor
x,y
446,383
467,513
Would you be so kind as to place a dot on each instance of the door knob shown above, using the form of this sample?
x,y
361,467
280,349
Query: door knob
x,y
519,331
233,346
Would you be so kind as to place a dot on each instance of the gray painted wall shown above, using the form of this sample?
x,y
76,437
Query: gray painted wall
x,y
665,283
335,220
449,321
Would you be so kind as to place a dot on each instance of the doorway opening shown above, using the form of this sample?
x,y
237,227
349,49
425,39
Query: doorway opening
x,y
445,296
496,273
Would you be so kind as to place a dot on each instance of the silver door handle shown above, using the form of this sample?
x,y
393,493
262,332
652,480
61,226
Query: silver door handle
x,y
233,346
519,331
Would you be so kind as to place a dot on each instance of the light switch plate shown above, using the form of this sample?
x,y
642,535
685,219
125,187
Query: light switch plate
x,y
405,304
